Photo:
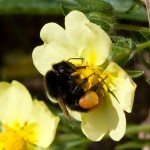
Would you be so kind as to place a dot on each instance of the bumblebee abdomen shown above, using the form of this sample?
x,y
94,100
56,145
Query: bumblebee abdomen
x,y
58,84
52,84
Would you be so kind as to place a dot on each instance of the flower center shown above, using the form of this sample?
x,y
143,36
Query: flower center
x,y
94,87
92,58
12,138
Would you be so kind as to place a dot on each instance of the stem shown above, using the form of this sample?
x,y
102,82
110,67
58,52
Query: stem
x,y
142,46
137,129
132,28
139,47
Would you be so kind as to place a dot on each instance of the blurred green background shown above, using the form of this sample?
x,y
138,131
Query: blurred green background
x,y
20,25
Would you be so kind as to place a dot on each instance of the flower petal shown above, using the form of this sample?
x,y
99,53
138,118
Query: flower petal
x,y
75,114
121,85
52,32
45,56
89,39
46,124
77,31
15,103
118,131
104,118
100,48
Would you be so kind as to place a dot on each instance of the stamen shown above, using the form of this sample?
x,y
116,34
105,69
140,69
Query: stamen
x,y
106,88
12,138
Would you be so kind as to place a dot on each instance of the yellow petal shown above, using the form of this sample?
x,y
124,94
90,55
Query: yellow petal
x,y
52,32
99,49
121,85
90,40
45,56
15,103
78,33
46,124
75,114
106,117
118,131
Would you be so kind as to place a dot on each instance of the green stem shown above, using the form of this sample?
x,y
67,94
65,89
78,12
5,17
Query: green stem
x,y
139,47
132,28
137,129
142,46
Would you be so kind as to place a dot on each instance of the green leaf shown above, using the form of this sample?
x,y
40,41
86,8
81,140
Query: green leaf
x,y
106,22
97,6
123,42
135,73
122,50
65,9
97,11
142,36
129,9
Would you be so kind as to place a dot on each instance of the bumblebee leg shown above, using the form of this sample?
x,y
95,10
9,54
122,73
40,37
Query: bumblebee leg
x,y
79,86
82,59
99,85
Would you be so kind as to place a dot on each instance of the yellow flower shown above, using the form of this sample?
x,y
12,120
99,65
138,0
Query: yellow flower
x,y
24,122
83,39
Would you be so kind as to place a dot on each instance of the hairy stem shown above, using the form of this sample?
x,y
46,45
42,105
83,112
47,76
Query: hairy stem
x,y
132,28
142,46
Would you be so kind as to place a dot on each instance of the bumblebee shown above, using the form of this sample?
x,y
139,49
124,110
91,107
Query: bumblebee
x,y
63,84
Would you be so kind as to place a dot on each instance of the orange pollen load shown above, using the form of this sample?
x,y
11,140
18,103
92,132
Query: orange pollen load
x,y
89,100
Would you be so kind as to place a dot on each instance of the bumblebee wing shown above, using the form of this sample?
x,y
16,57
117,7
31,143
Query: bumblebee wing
x,y
64,109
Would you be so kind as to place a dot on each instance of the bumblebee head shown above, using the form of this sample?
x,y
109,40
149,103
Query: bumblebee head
x,y
64,67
